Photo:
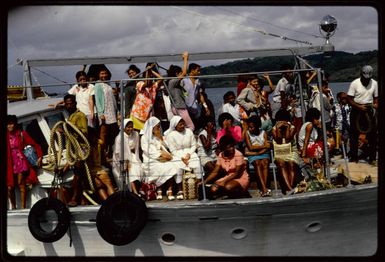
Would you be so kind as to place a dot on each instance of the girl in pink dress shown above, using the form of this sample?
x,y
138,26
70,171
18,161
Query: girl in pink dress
x,y
226,122
229,176
19,172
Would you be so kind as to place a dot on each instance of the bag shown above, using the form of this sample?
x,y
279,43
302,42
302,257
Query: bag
x,y
148,191
29,153
282,151
166,149
189,185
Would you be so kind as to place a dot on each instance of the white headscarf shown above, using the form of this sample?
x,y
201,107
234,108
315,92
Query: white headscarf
x,y
117,145
148,126
126,121
173,123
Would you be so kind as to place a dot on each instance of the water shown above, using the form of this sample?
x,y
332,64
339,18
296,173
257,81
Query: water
x,y
216,94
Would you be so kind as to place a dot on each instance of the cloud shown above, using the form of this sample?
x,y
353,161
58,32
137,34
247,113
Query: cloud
x,y
72,31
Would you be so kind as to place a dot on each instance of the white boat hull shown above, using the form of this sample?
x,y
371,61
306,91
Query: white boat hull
x,y
338,222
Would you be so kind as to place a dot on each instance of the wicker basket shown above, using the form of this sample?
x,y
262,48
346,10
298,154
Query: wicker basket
x,y
190,190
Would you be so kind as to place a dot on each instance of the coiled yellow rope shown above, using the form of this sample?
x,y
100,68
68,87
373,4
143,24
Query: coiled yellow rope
x,y
364,117
75,150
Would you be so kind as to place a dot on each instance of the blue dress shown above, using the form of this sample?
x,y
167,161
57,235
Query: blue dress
x,y
257,140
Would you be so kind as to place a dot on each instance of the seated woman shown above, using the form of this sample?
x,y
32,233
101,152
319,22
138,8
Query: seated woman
x,y
182,144
258,151
310,137
229,177
286,159
226,122
131,159
157,164
207,146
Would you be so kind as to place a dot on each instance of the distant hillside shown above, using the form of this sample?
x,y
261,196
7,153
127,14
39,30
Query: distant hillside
x,y
341,66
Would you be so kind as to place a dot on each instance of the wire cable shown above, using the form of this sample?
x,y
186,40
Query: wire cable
x,y
45,73
268,23
248,28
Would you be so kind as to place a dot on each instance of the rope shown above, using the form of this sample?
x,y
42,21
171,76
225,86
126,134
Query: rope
x,y
364,117
54,156
75,151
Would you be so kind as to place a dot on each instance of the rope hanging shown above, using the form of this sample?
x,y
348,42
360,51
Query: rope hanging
x,y
364,122
75,151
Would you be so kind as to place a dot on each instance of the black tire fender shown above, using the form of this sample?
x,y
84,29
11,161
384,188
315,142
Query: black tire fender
x,y
121,218
37,214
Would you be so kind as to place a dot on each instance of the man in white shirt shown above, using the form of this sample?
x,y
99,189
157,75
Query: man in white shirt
x,y
363,97
279,93
84,97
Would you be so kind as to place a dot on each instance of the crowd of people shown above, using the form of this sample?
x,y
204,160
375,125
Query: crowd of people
x,y
170,127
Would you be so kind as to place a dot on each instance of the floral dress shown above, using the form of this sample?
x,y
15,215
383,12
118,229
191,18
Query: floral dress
x,y
19,162
144,101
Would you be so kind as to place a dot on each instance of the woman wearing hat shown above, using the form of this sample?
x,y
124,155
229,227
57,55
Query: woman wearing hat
x,y
19,170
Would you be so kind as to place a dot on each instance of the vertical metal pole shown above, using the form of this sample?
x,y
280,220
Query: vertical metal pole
x,y
326,152
275,193
123,173
303,110
346,165
27,80
203,181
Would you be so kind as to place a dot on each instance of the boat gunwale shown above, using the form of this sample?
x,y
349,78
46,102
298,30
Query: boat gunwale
x,y
194,203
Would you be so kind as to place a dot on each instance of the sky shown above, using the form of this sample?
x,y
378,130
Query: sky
x,y
78,31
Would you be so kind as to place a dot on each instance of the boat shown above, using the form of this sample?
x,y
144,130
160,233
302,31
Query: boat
x,y
320,223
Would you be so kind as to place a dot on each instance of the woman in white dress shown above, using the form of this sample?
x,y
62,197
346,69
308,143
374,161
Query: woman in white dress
x,y
158,164
207,146
183,146
131,158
